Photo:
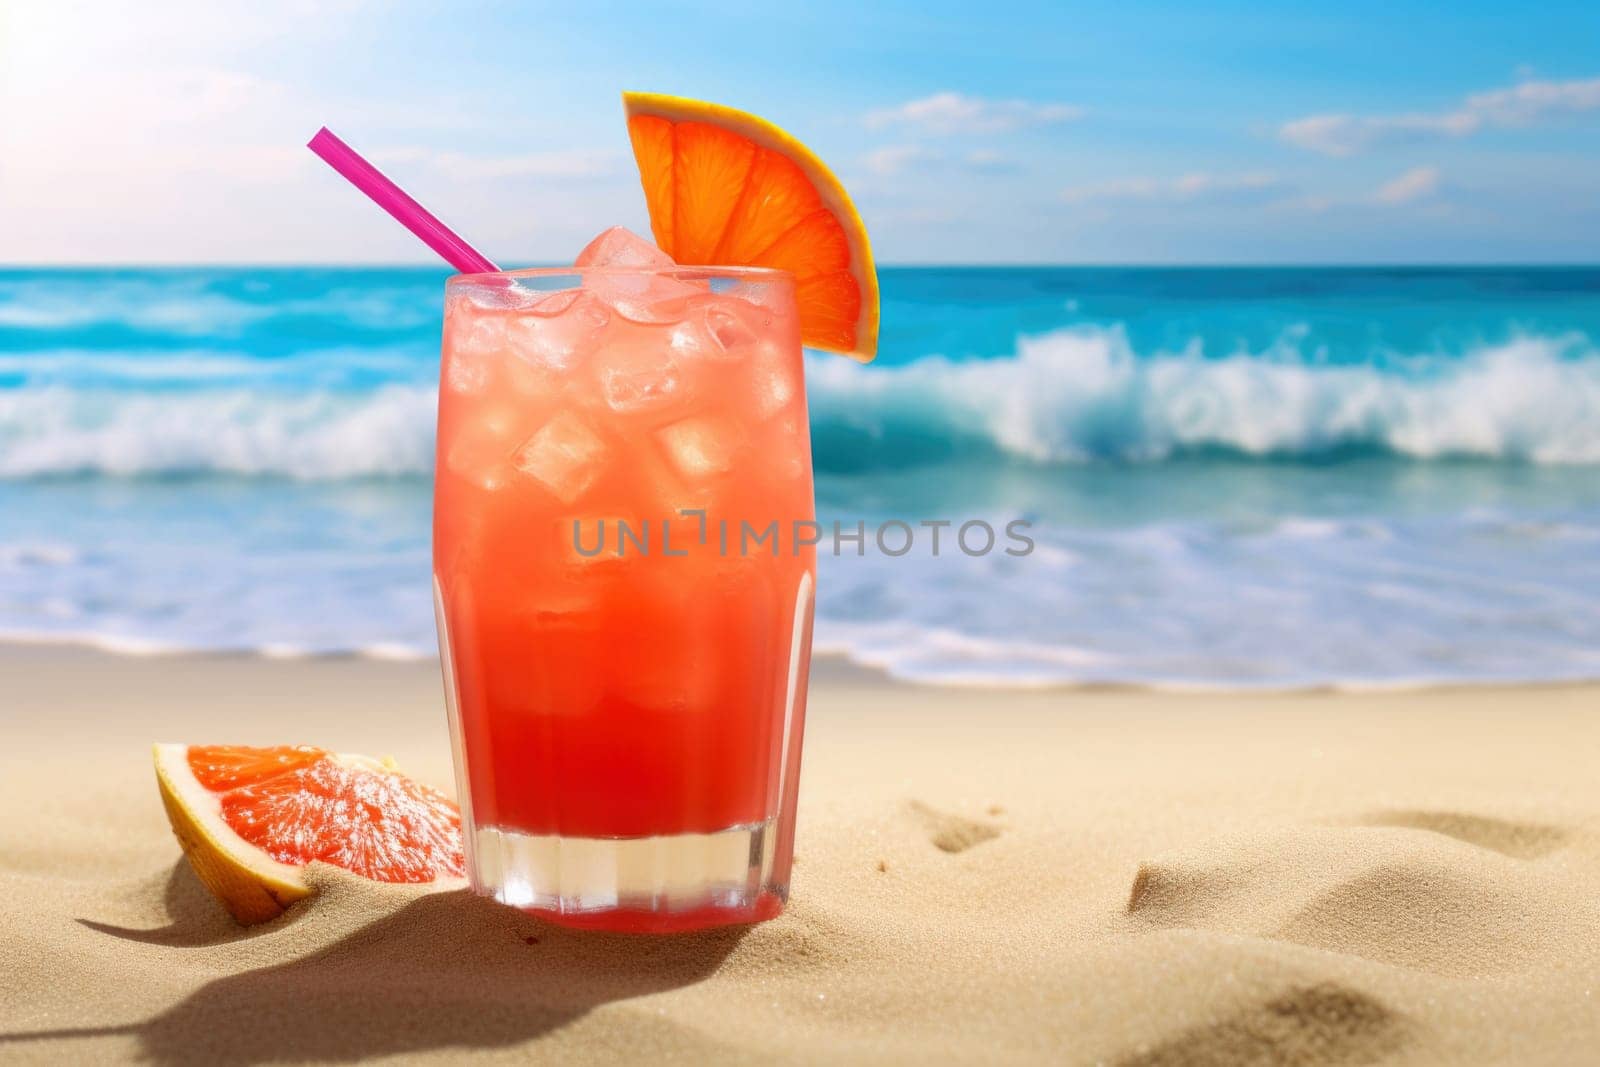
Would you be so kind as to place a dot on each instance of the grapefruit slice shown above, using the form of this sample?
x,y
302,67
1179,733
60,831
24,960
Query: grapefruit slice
x,y
250,819
726,188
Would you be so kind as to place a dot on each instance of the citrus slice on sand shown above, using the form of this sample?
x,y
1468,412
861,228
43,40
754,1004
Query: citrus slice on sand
x,y
725,188
250,819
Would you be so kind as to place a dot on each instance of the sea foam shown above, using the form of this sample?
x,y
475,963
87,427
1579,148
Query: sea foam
x,y
306,435
1079,395
1069,396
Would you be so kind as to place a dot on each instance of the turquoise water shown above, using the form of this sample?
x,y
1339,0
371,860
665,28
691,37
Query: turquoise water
x,y
1235,477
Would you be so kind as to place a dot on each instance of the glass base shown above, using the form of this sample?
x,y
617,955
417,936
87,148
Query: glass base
x,y
659,884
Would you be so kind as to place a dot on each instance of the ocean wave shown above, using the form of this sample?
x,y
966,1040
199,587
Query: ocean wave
x,y
313,435
1080,395
131,369
205,304
1070,396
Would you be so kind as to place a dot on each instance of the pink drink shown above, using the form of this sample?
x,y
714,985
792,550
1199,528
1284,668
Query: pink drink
x,y
627,681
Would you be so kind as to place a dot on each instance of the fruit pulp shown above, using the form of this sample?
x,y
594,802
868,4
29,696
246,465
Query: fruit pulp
x,y
297,803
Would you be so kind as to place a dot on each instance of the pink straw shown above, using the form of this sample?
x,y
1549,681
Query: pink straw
x,y
389,196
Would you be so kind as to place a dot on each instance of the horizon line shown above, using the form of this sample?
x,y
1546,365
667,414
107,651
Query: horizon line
x,y
1231,264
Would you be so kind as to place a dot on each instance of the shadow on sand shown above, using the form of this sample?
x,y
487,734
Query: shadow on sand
x,y
449,970
197,922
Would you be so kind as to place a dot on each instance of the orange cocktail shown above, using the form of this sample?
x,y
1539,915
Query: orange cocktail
x,y
624,568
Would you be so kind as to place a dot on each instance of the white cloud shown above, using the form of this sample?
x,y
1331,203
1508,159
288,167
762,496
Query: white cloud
x,y
1519,105
1418,183
894,158
1533,99
1345,135
952,113
1418,186
987,159
1194,186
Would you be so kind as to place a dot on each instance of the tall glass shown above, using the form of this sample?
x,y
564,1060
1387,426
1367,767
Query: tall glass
x,y
623,575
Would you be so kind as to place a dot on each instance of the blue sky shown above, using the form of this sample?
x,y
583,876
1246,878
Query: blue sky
x,y
1125,132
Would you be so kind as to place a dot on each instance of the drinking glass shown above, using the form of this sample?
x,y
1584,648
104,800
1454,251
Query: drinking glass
x,y
624,567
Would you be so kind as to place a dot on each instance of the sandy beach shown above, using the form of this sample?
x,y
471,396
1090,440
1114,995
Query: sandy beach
x,y
1115,877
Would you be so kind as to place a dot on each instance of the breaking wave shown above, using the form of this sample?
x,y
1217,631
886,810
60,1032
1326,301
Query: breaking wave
x,y
1082,395
1068,396
313,435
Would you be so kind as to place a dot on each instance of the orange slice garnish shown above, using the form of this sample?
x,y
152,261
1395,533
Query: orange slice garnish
x,y
726,188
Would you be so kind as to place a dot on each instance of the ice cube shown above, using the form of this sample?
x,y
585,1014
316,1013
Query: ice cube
x,y
474,338
475,332
482,446
554,303
647,299
629,284
775,384
669,495
770,305
728,329
536,382
621,247
464,372
772,297
559,331
566,456
640,377
715,328
701,447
